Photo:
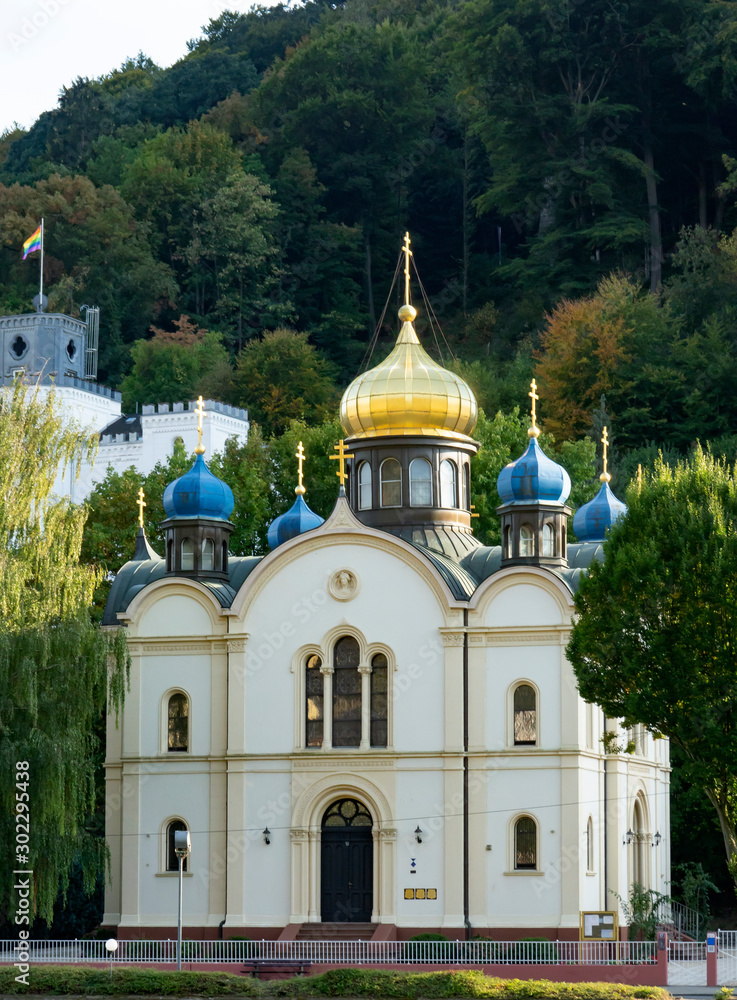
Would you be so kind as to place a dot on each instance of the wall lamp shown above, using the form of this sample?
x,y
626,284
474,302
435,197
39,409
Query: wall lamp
x,y
267,835
418,834
656,840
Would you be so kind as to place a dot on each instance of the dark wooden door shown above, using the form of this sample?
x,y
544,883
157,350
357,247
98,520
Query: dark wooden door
x,y
347,869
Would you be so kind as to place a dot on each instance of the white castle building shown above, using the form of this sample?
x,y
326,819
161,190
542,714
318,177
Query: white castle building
x,y
374,728
53,349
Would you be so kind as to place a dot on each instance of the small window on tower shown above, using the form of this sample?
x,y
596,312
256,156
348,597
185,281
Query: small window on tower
x,y
448,484
525,844
187,554
526,540
364,486
391,483
548,536
525,716
420,483
208,553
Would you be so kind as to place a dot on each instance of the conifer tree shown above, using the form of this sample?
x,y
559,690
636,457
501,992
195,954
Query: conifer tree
x,y
56,668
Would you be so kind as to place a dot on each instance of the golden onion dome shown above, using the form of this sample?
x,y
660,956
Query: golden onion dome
x,y
408,394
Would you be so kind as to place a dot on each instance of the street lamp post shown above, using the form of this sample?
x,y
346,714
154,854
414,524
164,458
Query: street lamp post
x,y
111,946
182,849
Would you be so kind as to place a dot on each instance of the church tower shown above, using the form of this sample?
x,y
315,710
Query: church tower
x,y
197,529
533,512
408,424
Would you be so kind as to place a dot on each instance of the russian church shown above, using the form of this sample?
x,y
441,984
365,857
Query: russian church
x,y
374,729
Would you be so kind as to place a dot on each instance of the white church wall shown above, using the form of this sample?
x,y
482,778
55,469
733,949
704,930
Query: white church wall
x,y
523,604
161,675
506,667
173,615
180,792
530,788
420,792
294,609
266,888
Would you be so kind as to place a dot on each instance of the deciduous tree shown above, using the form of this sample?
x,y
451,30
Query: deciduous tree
x,y
656,633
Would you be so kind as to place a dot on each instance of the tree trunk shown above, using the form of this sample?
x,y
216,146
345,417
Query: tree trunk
x,y
729,833
465,226
370,286
651,183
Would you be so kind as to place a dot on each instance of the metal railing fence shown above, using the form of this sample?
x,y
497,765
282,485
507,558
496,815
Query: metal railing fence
x,y
480,952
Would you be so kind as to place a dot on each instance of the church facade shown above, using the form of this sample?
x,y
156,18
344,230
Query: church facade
x,y
375,723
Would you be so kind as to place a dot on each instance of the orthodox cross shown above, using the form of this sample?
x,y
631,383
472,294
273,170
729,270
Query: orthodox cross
x,y
534,430
300,456
605,477
341,457
407,255
200,411
141,504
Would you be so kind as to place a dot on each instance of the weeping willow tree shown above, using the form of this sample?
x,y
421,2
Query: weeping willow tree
x,y
56,667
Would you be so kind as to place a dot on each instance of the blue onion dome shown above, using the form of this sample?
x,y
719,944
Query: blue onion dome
x,y
592,521
198,493
533,477
298,519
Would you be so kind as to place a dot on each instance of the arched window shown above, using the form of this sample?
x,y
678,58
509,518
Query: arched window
x,y
178,723
525,844
169,556
508,541
420,483
224,556
590,845
208,554
379,700
526,540
466,486
525,716
639,860
187,553
172,861
315,702
364,486
548,540
346,693
391,483
448,484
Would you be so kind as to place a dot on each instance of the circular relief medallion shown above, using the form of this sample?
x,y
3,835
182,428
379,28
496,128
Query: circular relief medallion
x,y
343,585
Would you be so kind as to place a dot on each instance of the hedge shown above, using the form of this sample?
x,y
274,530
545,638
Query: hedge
x,y
81,980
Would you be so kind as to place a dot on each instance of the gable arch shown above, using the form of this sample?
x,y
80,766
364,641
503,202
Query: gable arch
x,y
167,594
312,803
318,539
518,586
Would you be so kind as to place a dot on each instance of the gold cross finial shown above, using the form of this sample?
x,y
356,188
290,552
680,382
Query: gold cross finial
x,y
534,430
341,457
300,455
141,504
605,477
407,255
200,411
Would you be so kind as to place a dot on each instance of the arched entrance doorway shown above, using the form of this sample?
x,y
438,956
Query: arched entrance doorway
x,y
347,868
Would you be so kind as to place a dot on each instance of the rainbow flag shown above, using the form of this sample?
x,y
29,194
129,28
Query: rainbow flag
x,y
32,243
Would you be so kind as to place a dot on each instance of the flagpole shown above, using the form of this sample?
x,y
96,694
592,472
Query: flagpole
x,y
41,280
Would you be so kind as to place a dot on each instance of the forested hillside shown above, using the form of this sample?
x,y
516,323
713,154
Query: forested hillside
x,y
564,168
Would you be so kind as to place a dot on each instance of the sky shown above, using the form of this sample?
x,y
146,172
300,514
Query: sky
x,y
45,44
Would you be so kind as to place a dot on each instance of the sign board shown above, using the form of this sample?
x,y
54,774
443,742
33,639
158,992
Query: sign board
x,y
599,925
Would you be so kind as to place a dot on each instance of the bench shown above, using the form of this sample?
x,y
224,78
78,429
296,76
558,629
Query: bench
x,y
286,966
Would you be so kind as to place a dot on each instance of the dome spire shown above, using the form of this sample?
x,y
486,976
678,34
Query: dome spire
x,y
299,489
407,312
200,411
605,477
534,430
